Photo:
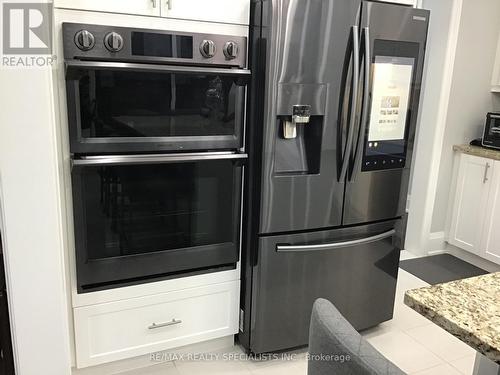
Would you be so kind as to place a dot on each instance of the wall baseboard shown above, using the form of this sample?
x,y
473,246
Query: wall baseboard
x,y
436,243
437,252
472,258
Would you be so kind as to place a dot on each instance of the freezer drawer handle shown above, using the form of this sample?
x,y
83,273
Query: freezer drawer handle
x,y
334,245
166,324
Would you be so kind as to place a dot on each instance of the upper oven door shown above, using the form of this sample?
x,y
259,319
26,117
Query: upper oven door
x,y
116,107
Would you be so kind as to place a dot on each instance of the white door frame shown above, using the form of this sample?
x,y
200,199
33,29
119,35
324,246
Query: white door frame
x,y
428,154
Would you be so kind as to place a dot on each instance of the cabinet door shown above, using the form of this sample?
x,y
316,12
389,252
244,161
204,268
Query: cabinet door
x,y
470,202
141,7
491,235
224,11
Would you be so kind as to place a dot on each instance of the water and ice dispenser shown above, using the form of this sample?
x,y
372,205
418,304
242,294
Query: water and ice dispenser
x,y
300,116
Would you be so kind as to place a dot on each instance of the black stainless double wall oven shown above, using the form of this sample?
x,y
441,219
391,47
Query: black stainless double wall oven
x,y
156,124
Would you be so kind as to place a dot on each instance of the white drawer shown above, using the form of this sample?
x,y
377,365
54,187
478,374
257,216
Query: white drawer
x,y
124,329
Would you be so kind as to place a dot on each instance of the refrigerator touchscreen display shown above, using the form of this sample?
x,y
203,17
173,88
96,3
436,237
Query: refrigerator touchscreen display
x,y
392,79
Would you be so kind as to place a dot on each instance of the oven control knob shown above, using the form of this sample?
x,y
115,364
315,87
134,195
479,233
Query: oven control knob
x,y
84,40
231,50
113,41
207,48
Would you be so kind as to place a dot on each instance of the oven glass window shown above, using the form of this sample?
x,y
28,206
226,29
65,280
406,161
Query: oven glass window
x,y
138,209
493,126
136,104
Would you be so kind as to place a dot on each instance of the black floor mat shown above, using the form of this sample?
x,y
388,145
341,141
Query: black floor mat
x,y
440,268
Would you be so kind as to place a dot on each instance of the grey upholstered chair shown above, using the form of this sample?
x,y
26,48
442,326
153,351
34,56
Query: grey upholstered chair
x,y
336,348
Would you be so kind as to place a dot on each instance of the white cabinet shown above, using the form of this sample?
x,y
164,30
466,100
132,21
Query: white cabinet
x,y
491,234
224,11
470,202
127,328
475,207
140,7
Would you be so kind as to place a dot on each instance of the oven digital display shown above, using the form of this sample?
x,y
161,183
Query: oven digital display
x,y
162,45
392,77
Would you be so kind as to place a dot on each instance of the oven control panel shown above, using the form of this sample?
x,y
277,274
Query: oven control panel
x,y
99,42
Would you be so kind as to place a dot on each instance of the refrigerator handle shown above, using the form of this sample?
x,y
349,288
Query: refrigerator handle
x,y
334,245
352,102
364,104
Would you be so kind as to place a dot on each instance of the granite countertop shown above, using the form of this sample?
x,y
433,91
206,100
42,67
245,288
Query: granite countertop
x,y
478,151
469,309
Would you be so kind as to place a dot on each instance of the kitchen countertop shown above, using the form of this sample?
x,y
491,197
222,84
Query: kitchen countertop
x,y
468,308
478,151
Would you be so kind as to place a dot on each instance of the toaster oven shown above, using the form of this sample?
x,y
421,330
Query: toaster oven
x,y
491,136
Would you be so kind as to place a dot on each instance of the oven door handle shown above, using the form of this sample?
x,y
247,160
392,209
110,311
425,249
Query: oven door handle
x,y
74,66
155,159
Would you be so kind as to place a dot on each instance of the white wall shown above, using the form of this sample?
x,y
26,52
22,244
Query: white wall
x,y
439,59
470,96
30,195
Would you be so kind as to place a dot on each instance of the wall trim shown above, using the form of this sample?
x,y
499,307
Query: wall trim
x,y
472,258
8,285
437,243
426,169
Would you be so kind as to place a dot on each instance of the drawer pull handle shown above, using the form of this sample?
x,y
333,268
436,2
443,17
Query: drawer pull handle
x,y
485,178
166,324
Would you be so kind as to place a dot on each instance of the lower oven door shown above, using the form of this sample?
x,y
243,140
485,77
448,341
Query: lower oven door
x,y
140,218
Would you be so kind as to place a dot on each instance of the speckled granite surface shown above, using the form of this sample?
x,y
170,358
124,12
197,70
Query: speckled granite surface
x,y
469,309
478,151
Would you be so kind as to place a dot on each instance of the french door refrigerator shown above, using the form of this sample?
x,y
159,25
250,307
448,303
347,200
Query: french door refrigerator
x,y
332,116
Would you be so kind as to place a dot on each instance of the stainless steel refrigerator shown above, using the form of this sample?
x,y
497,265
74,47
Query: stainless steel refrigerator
x,y
331,123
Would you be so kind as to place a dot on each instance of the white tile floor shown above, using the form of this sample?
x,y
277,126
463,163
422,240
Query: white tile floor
x,y
412,342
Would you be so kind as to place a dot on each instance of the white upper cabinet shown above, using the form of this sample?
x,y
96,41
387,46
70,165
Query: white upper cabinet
x,y
495,80
139,7
490,245
225,11
470,202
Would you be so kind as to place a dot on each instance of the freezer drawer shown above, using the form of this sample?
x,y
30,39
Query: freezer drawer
x,y
355,268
